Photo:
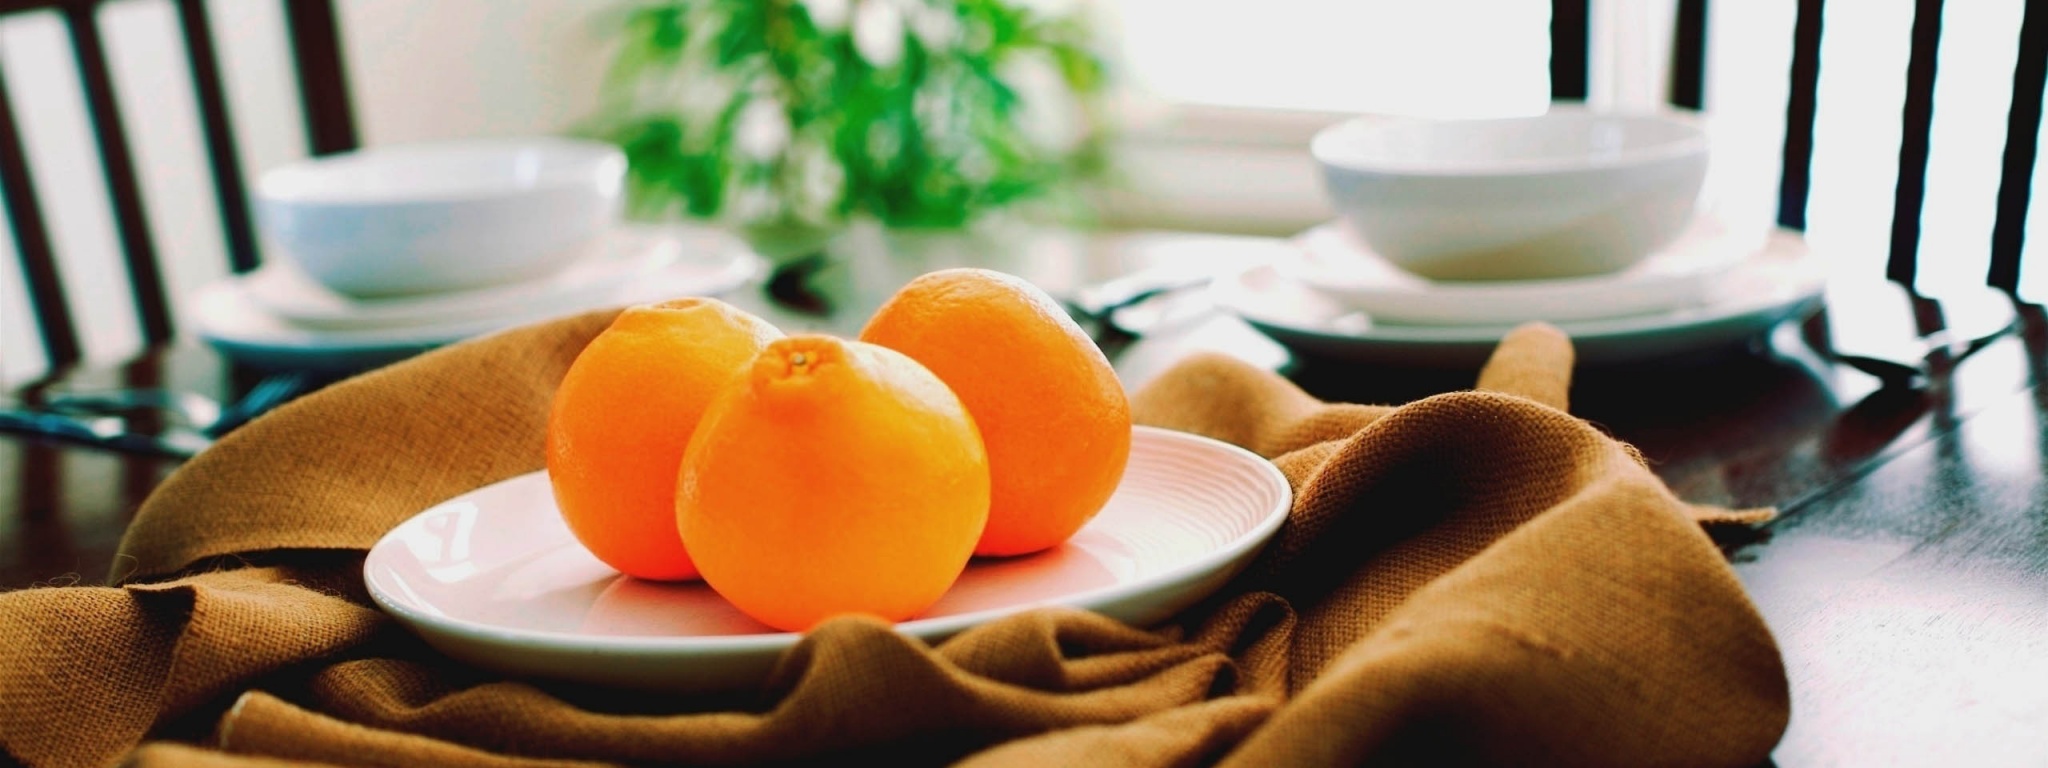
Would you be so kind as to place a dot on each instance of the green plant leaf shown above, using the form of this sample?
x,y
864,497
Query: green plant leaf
x,y
930,141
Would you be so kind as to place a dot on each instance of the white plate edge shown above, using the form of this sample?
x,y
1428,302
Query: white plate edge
x,y
925,629
740,266
1229,290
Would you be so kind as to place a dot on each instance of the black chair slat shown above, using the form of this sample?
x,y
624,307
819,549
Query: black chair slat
x,y
313,30
2022,136
323,86
1916,129
17,6
1795,179
1570,49
32,243
1689,56
131,222
230,191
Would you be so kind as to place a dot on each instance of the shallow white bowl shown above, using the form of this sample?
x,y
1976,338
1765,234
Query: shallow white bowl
x,y
1565,194
425,218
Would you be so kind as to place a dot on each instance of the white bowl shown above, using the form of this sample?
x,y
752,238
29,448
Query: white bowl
x,y
1565,194
425,218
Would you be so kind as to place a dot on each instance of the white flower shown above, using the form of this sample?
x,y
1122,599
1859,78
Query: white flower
x,y
1049,115
975,166
878,33
935,26
883,144
818,179
754,202
933,107
762,130
1053,8
828,15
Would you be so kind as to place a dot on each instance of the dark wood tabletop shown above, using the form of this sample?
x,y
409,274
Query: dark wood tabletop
x,y
1906,578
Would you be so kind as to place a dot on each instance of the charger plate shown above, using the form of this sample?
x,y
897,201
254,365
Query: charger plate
x,y
1780,280
494,578
1680,275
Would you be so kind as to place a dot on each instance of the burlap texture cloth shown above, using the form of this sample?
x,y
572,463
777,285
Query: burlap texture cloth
x,y
1475,577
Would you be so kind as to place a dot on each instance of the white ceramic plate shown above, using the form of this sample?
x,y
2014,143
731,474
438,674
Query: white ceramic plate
x,y
1780,280
494,578
283,290
1682,274
228,316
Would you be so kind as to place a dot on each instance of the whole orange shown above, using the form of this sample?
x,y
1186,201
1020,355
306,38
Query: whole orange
x,y
1051,411
833,477
622,417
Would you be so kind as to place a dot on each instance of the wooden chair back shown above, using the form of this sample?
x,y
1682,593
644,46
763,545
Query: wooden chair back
x,y
329,127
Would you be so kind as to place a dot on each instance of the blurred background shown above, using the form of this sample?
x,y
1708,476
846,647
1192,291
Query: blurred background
x,y
1172,114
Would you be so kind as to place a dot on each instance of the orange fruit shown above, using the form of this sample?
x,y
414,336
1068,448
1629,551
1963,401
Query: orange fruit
x,y
1051,411
622,417
832,477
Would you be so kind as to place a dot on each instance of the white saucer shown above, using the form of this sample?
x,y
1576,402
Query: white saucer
x,y
612,261
1780,280
227,314
494,578
1682,274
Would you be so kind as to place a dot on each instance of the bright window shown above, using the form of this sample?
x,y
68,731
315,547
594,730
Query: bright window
x,y
1474,58
1467,58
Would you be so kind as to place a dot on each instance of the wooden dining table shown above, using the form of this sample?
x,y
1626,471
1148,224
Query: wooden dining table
x,y
1905,577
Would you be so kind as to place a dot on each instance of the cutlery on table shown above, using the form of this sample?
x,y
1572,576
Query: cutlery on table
x,y
189,422
1874,327
1110,311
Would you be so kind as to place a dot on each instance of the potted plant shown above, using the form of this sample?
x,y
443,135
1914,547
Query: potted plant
x,y
788,119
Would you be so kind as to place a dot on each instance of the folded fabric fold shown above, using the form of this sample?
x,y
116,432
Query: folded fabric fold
x,y
1473,577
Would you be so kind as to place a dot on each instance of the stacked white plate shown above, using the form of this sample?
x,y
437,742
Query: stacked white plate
x,y
277,317
1714,286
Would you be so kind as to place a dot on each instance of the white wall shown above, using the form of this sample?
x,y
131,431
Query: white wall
x,y
458,68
